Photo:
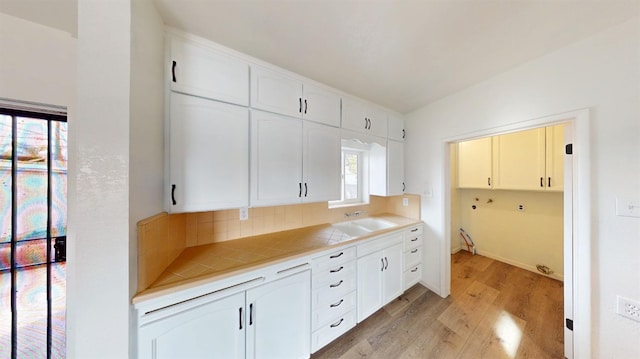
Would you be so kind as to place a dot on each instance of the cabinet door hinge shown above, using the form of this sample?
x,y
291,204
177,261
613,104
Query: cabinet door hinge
x,y
569,324
568,149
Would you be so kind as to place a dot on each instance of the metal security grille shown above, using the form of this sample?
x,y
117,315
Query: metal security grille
x,y
33,226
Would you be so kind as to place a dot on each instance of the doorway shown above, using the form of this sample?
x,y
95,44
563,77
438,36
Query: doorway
x,y
576,215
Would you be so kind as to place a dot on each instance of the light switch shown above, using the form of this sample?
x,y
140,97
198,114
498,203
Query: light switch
x,y
628,207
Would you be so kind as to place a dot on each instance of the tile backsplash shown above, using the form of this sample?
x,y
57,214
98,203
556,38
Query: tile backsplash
x,y
163,237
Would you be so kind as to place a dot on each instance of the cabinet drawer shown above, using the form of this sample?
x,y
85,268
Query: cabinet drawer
x,y
331,331
412,241
412,276
379,244
332,292
330,311
334,259
414,230
333,274
412,257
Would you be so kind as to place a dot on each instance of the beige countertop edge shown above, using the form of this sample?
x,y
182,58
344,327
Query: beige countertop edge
x,y
153,293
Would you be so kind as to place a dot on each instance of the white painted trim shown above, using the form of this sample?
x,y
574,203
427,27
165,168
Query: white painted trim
x,y
581,209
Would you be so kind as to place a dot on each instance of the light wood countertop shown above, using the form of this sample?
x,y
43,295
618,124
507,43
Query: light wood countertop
x,y
220,260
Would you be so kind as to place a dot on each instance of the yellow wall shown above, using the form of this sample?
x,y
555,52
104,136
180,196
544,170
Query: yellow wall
x,y
522,238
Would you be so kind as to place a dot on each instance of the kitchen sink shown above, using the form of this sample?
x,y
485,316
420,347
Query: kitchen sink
x,y
363,226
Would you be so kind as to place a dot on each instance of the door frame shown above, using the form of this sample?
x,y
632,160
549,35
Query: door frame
x,y
577,221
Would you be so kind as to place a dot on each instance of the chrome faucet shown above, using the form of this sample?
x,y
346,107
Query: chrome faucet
x,y
354,214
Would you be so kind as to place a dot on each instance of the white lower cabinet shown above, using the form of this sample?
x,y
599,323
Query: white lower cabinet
x,y
268,321
380,273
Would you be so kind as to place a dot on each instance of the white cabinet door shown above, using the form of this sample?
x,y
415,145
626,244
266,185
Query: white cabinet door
x,y
360,117
370,268
274,92
279,318
396,128
208,155
212,330
474,163
555,153
321,148
395,168
276,159
201,71
392,274
519,160
320,105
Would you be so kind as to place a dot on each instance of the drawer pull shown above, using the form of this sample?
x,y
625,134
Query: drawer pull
x,y
414,230
336,270
414,270
337,304
336,255
336,284
415,250
337,324
415,239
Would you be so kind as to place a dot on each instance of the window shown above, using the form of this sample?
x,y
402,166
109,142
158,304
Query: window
x,y
33,200
353,185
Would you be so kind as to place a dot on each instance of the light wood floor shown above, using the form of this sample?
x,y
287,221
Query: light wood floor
x,y
495,311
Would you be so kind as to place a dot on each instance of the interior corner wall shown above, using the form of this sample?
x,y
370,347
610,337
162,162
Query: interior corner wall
x,y
146,141
600,73
98,283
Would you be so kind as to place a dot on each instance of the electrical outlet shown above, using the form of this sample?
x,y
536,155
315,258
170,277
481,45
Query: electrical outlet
x,y
628,308
521,207
244,213
405,202
627,207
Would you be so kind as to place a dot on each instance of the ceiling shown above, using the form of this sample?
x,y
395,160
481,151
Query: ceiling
x,y
402,54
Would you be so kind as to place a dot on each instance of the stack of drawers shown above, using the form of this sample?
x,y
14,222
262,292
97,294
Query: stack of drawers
x,y
333,303
412,255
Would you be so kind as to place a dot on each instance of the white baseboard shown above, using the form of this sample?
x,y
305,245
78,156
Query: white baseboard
x,y
558,276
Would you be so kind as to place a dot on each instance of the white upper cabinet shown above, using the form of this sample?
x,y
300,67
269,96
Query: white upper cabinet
x,y
320,105
474,163
198,70
208,155
519,160
361,117
321,166
275,92
276,159
293,161
555,152
396,128
272,91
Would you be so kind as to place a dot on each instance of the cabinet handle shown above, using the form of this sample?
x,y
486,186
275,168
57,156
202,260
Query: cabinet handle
x,y
251,314
414,230
173,71
489,181
173,194
541,182
305,106
336,284
240,316
549,182
338,323
336,270
415,239
414,270
305,189
386,265
336,255
366,122
403,186
336,304
382,262
415,250
300,106
403,133
299,189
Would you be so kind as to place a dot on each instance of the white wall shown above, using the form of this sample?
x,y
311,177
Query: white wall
x,y
98,282
37,63
601,73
